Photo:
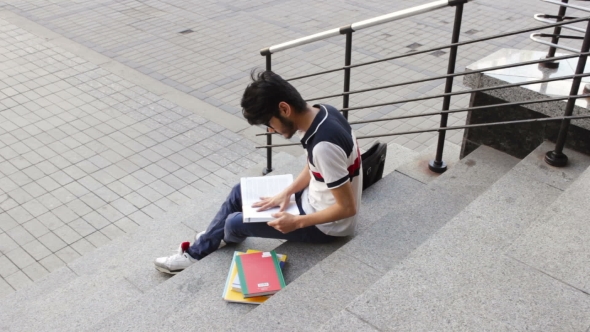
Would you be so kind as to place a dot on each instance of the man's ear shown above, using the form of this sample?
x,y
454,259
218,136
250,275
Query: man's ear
x,y
285,109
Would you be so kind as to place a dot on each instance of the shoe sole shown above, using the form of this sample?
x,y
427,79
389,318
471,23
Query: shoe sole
x,y
163,270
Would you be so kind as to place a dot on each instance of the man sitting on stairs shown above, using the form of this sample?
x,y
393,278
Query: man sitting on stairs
x,y
328,189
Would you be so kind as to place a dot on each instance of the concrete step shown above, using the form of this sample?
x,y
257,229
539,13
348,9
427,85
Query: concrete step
x,y
211,273
307,256
461,279
417,167
558,244
323,291
119,259
397,156
95,273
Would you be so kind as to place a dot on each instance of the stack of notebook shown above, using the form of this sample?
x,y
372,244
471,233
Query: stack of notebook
x,y
254,276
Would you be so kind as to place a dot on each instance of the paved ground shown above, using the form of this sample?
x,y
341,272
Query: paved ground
x,y
213,62
93,140
86,156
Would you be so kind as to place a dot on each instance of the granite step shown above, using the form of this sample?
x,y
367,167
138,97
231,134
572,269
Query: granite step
x,y
96,272
120,258
302,258
208,277
464,277
397,156
558,243
325,289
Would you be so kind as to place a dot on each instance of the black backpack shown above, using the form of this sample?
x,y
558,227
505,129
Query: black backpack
x,y
373,162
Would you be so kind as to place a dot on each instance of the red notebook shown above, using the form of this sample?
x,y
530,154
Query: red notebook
x,y
260,273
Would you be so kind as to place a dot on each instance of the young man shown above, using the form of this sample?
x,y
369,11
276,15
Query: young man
x,y
328,189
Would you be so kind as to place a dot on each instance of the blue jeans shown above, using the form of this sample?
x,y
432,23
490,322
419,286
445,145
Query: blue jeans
x,y
228,225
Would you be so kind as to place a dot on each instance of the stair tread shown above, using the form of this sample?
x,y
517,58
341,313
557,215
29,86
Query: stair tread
x,y
461,276
107,261
194,293
557,244
333,282
301,258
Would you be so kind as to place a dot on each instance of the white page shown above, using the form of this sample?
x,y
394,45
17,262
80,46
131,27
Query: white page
x,y
253,188
263,186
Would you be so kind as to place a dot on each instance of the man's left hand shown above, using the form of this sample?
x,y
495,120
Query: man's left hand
x,y
284,223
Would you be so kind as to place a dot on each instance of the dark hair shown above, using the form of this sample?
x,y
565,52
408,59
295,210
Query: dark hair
x,y
261,98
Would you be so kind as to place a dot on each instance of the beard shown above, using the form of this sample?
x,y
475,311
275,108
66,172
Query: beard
x,y
289,129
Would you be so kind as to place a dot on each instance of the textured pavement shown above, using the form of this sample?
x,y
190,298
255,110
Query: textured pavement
x,y
87,153
212,63
86,156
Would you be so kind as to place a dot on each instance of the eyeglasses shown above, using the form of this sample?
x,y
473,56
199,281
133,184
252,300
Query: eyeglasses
x,y
267,123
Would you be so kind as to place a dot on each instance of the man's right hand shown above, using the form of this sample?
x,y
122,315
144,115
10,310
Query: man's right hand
x,y
281,200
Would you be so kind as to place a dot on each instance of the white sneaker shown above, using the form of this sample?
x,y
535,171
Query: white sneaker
x,y
221,244
177,262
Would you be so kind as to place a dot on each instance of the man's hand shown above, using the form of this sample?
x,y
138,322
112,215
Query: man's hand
x,y
281,200
284,223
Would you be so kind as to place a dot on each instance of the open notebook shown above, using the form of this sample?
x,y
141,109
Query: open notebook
x,y
253,188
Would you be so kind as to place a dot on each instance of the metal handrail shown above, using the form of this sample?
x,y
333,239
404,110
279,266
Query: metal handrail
x,y
585,9
540,41
543,18
556,36
467,72
467,42
555,157
448,94
458,110
488,124
362,25
475,108
479,125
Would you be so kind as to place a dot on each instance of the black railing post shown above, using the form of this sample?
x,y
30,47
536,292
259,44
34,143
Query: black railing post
x,y
555,38
347,61
556,157
438,165
268,167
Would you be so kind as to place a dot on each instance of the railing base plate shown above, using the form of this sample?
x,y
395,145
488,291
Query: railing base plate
x,y
266,171
549,65
437,167
556,159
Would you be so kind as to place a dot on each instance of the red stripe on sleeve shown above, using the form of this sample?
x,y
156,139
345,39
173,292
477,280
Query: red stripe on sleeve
x,y
357,164
317,175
